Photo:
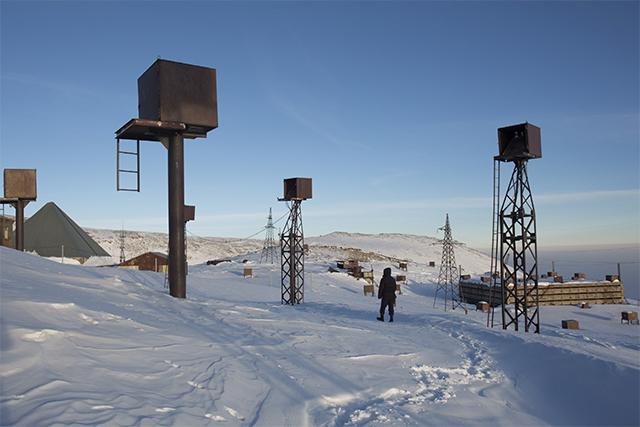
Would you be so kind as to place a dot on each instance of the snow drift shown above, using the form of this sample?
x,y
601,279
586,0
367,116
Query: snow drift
x,y
90,345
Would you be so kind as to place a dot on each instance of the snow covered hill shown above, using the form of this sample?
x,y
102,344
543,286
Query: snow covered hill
x,y
334,246
86,345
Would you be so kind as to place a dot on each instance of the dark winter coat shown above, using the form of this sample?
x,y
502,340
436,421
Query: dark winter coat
x,y
387,285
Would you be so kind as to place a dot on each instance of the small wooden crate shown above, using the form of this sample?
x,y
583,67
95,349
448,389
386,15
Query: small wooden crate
x,y
398,289
367,289
584,305
402,266
482,306
630,317
570,324
465,277
611,278
248,272
558,279
485,279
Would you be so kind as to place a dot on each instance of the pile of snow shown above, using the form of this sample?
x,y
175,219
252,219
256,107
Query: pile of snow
x,y
89,345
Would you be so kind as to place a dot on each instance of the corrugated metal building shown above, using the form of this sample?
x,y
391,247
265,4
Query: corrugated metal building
x,y
150,261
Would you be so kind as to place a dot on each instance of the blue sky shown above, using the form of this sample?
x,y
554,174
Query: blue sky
x,y
392,108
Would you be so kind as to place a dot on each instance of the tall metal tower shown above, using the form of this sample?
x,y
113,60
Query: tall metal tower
x,y
175,101
517,225
292,242
269,251
449,278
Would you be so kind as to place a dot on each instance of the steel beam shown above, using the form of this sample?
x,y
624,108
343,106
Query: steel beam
x,y
177,257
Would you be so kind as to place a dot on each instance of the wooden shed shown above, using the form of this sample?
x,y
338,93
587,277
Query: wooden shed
x,y
151,261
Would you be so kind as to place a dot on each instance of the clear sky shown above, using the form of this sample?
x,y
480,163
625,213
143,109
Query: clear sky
x,y
392,108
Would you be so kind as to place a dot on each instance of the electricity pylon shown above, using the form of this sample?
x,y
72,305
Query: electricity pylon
x,y
448,279
269,249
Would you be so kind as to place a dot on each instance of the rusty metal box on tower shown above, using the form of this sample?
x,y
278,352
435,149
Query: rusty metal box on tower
x,y
519,142
297,188
175,92
20,184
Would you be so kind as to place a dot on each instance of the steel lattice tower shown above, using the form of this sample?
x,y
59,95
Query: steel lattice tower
x,y
122,257
448,279
269,251
292,257
515,244
518,242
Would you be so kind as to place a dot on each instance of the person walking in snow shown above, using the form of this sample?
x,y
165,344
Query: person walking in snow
x,y
387,293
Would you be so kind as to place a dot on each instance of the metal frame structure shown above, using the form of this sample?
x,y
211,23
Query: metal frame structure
x,y
269,251
518,242
292,257
175,101
449,278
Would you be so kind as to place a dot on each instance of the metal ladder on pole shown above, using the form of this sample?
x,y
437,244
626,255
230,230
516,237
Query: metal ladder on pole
x,y
495,241
129,171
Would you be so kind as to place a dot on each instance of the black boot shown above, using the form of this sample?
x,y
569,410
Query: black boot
x,y
380,318
391,319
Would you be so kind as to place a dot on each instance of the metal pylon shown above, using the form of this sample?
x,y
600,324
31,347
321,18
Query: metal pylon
x,y
292,257
269,251
519,282
448,279
122,257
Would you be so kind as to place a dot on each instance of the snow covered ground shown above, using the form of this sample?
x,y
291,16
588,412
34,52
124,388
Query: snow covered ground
x,y
86,345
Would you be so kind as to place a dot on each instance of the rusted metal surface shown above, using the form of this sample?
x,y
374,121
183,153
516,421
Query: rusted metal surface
x,y
519,142
175,101
189,213
177,257
148,130
176,92
297,189
20,184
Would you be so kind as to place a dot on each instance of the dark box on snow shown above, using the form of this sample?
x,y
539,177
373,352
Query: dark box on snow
x,y
570,324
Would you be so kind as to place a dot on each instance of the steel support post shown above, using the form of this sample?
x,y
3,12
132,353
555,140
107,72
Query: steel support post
x,y
177,258
19,205
518,245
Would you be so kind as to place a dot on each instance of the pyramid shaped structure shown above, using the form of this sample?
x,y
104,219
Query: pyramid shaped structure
x,y
50,228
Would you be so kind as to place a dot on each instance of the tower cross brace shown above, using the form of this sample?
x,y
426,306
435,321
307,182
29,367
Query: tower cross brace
x,y
519,281
292,257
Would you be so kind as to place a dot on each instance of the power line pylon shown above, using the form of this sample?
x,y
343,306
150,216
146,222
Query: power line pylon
x,y
122,257
448,279
269,249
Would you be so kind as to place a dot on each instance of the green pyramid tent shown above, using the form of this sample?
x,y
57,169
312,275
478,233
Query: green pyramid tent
x,y
50,228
